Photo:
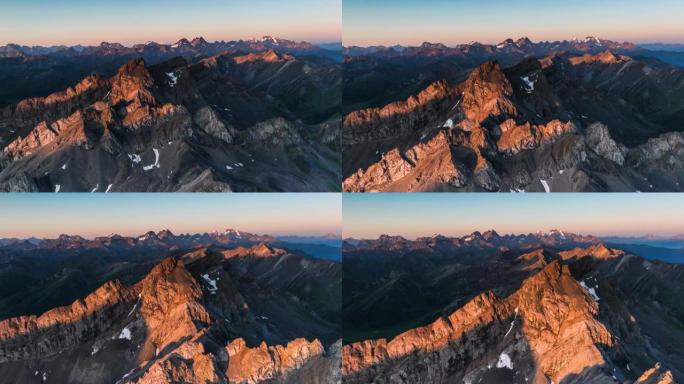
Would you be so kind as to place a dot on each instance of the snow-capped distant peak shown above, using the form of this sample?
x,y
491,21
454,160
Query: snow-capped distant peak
x,y
596,40
270,39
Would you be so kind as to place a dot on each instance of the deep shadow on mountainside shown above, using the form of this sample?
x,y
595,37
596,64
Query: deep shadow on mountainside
x,y
538,308
254,314
30,71
520,116
40,274
259,119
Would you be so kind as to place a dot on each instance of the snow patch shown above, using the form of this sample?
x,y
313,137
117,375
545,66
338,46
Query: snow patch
x,y
125,334
590,290
156,161
57,188
228,167
512,322
64,167
135,158
448,124
95,350
109,187
529,84
134,307
173,79
212,283
504,361
545,185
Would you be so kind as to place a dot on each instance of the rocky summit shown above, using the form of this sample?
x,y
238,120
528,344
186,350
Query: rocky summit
x,y
213,315
242,117
509,309
588,115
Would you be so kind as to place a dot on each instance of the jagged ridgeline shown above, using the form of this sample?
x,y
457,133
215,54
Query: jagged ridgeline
x,y
258,115
581,115
485,308
237,309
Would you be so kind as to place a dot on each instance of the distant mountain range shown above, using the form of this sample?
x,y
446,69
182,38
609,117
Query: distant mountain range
x,y
165,239
489,308
522,46
579,115
183,47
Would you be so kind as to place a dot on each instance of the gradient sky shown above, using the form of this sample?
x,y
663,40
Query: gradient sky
x,y
89,22
90,215
388,22
424,214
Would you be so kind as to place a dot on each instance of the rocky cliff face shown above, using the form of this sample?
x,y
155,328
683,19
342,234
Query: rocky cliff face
x,y
400,118
181,323
550,320
528,127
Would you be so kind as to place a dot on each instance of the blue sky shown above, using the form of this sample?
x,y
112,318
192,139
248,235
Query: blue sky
x,y
424,214
368,22
48,215
43,22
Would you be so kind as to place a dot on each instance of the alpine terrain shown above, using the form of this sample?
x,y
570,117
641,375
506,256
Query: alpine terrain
x,y
224,307
255,115
578,115
549,307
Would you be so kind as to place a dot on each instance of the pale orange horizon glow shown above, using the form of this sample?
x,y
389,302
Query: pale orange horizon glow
x,y
72,22
412,22
132,214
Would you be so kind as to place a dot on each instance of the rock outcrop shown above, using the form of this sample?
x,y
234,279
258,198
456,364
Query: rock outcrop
x,y
263,363
487,93
656,375
399,118
428,163
598,139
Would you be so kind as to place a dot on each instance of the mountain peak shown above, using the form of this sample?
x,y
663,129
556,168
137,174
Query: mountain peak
x,y
198,41
487,93
490,234
269,56
181,43
164,234
107,45
523,42
269,39
598,251
134,67
260,250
